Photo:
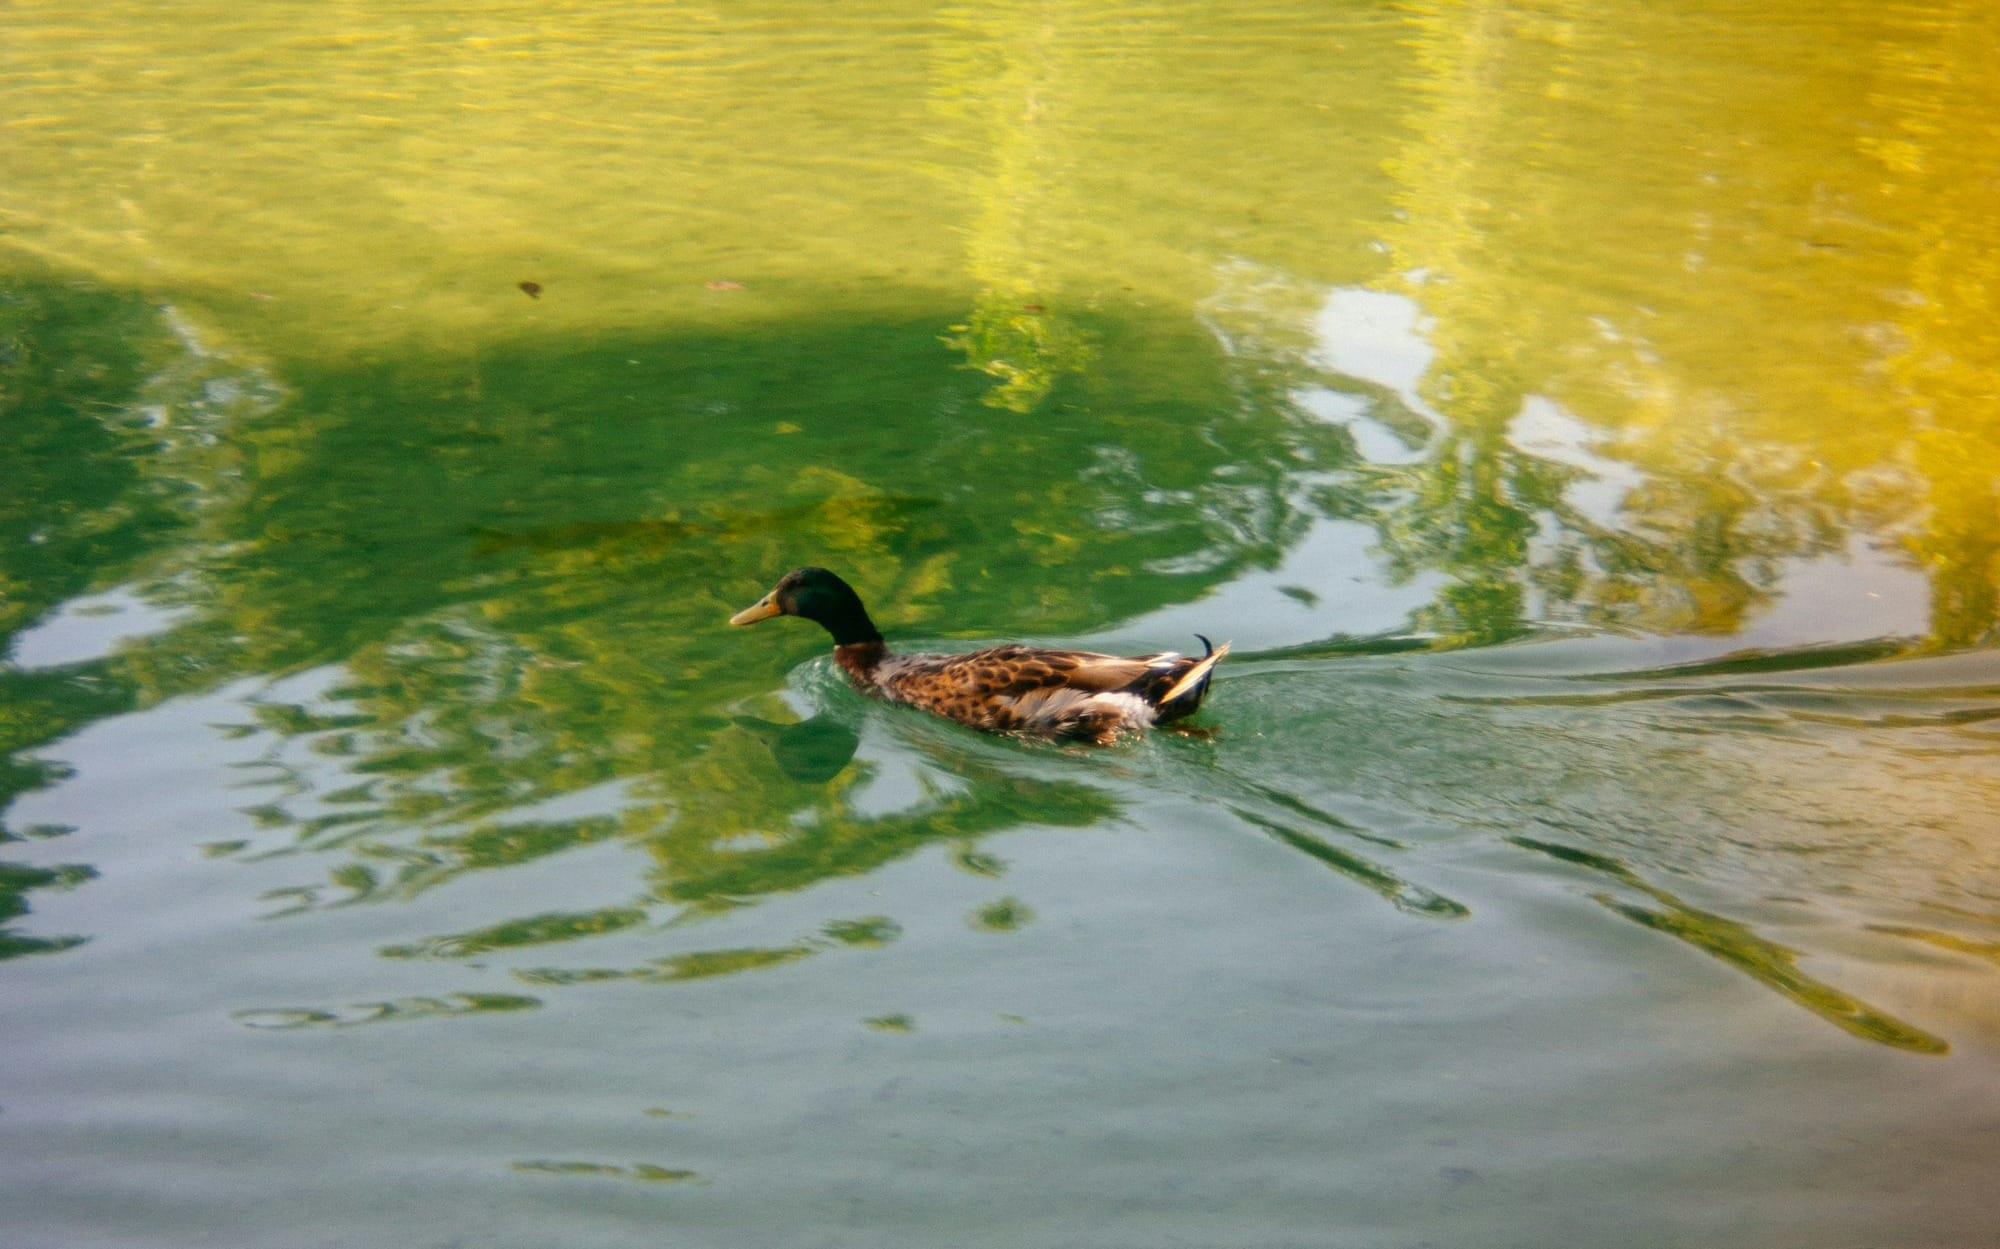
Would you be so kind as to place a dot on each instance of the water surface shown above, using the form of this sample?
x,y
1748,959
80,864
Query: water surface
x,y
1583,422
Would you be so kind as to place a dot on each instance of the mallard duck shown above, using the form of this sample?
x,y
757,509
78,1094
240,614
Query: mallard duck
x,y
1031,691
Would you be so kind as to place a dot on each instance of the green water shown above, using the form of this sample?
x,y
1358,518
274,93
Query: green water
x,y
1584,421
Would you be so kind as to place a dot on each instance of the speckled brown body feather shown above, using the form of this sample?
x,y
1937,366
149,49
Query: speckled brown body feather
x,y
1026,690
1078,695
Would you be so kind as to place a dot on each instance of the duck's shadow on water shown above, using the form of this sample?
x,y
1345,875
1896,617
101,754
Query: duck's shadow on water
x,y
811,751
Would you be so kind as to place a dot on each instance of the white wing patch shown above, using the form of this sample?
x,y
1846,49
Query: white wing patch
x,y
1049,710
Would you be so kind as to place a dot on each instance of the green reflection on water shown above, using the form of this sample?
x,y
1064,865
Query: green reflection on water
x,y
535,930
16,882
695,965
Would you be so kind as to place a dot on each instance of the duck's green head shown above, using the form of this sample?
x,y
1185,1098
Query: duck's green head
x,y
817,595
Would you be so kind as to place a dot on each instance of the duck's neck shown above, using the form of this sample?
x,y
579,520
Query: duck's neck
x,y
859,659
848,622
857,643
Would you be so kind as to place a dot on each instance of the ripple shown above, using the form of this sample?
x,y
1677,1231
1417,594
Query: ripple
x,y
398,1010
643,1172
1734,943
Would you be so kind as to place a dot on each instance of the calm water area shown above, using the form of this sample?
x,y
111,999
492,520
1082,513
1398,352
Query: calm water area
x,y
1582,417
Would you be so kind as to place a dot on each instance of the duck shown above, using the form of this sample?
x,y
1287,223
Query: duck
x,y
1022,691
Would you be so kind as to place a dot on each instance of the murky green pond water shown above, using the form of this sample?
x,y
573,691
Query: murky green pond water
x,y
1583,418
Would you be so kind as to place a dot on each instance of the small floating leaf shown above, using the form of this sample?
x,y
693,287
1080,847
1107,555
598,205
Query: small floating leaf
x,y
645,1172
977,862
1006,915
872,930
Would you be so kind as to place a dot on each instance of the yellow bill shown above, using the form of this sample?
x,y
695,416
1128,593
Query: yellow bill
x,y
763,609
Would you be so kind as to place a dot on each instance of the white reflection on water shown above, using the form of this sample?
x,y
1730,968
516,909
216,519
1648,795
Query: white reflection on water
x,y
1379,337
1320,589
1544,430
91,627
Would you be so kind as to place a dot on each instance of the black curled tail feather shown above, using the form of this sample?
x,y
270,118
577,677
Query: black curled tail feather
x,y
1185,694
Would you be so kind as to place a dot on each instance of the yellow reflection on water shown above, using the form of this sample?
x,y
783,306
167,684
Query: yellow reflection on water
x,y
390,173
336,177
1756,254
